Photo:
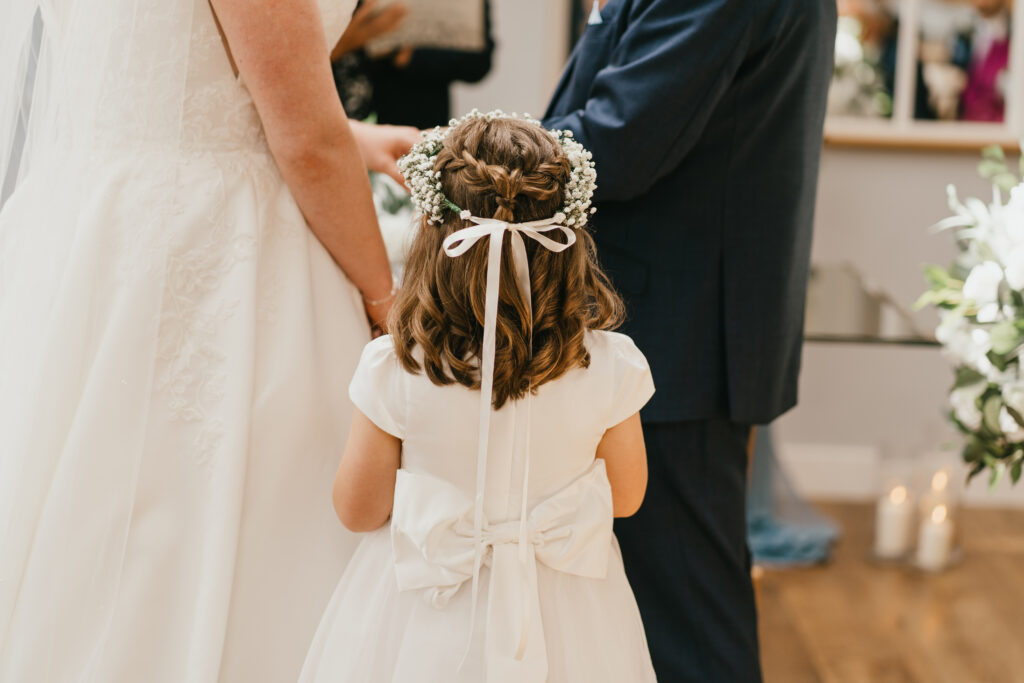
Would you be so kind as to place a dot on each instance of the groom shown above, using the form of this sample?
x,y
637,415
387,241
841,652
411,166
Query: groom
x,y
705,121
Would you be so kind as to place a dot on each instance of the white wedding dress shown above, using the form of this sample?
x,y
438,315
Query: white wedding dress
x,y
175,351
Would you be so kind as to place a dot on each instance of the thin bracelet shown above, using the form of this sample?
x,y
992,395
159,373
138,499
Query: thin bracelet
x,y
389,297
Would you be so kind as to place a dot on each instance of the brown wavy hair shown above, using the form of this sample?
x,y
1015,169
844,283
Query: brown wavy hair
x,y
514,171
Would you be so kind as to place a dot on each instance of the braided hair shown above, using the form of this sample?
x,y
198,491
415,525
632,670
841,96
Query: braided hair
x,y
514,171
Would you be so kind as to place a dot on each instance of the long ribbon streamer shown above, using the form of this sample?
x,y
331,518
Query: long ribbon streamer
x,y
455,245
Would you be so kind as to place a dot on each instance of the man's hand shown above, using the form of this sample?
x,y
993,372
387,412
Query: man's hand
x,y
381,146
368,23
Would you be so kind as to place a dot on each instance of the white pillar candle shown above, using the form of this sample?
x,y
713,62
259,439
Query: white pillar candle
x,y
894,524
935,541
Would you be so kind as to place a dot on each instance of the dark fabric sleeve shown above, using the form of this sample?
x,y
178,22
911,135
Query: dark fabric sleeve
x,y
648,106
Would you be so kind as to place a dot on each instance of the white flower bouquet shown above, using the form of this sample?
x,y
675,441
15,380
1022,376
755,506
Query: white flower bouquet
x,y
980,299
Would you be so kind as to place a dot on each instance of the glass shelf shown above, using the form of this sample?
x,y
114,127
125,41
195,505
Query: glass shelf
x,y
873,340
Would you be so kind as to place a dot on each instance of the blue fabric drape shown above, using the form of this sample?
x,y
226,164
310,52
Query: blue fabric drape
x,y
782,528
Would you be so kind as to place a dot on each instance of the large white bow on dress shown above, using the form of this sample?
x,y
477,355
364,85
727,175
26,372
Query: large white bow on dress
x,y
434,541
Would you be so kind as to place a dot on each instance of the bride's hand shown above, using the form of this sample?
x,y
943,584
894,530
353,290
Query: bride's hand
x,y
382,145
378,317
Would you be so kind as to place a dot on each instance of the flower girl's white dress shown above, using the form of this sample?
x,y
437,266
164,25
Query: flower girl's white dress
x,y
556,608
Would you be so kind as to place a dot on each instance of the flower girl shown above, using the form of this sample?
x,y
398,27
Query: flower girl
x,y
496,435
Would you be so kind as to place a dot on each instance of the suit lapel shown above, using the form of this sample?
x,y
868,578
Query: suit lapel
x,y
610,15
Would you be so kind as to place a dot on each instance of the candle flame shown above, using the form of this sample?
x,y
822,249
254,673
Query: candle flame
x,y
939,514
898,494
940,480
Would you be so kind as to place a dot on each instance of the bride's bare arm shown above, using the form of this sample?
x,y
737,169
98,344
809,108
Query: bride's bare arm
x,y
280,51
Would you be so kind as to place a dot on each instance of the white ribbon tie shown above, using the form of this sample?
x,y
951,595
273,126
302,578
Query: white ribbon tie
x,y
455,245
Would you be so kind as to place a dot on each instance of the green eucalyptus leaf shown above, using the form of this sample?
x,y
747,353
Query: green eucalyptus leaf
x,y
966,376
1015,470
937,276
990,413
994,477
999,360
928,298
943,298
960,271
974,450
991,390
1005,181
976,469
1005,337
990,168
994,152
958,424
1017,417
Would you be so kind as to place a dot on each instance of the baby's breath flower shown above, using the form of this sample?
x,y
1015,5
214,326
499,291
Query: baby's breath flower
x,y
428,196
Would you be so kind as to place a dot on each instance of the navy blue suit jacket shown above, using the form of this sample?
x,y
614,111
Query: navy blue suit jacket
x,y
705,121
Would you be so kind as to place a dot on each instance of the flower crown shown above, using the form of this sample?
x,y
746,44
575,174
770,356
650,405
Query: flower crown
x,y
425,183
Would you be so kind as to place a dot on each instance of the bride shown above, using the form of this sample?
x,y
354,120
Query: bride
x,y
176,335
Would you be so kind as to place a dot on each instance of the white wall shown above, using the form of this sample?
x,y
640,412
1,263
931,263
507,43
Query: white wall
x,y
532,41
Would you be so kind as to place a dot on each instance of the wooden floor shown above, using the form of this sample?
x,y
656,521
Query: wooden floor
x,y
856,622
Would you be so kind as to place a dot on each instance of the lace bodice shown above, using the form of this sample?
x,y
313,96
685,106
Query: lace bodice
x,y
139,74
218,112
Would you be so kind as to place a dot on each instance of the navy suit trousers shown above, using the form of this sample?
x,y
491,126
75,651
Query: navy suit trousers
x,y
686,554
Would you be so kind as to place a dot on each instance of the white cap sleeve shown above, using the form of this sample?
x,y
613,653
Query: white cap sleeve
x,y
378,386
633,385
